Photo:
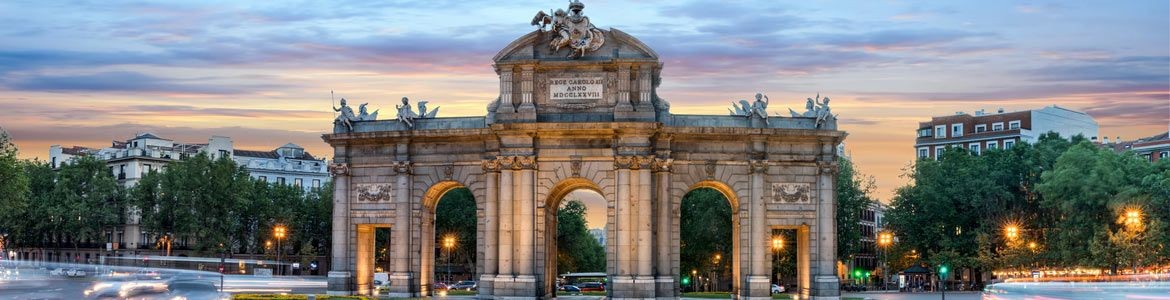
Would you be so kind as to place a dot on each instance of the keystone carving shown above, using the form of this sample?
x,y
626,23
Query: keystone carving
x,y
403,167
339,169
661,164
758,166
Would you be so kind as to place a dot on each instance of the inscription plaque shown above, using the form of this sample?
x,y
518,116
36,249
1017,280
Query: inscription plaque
x,y
575,88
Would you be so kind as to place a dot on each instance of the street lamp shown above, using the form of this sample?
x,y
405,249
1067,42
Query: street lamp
x,y
449,244
1011,231
885,239
694,274
279,232
1133,217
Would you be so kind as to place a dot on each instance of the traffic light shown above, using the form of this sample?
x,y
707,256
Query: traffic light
x,y
857,273
942,270
686,280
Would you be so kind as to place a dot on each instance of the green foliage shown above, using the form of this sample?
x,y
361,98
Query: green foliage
x,y
455,216
14,187
1065,196
853,191
577,250
705,231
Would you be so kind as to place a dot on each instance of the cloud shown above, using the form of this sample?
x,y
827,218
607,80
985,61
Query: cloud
x,y
125,81
1129,69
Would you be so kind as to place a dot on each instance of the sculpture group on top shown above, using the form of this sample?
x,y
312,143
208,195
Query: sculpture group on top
x,y
572,29
814,108
406,114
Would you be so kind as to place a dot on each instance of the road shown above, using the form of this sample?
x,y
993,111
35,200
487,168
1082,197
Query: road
x,y
915,296
38,284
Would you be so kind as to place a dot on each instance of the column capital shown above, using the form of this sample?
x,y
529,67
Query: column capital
x,y
403,167
758,165
519,162
662,164
632,162
491,165
828,167
339,169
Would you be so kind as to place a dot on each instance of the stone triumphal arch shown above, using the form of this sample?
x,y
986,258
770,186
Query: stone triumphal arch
x,y
578,108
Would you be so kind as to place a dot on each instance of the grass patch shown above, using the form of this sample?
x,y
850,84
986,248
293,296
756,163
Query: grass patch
x,y
461,293
293,297
708,295
781,296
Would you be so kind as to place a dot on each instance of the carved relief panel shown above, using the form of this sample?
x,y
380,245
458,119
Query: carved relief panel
x,y
792,193
374,192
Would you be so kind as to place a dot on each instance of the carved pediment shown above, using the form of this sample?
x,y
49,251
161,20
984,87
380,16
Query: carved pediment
x,y
535,45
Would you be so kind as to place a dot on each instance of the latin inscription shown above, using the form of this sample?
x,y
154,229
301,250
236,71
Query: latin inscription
x,y
575,88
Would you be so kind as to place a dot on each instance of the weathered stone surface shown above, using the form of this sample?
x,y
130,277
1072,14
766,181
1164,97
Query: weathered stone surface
x,y
618,139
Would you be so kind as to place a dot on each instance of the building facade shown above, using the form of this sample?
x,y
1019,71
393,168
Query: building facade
x,y
999,130
1153,148
132,159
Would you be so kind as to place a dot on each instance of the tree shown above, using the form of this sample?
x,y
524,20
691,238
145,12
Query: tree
x,y
87,201
14,191
577,250
853,196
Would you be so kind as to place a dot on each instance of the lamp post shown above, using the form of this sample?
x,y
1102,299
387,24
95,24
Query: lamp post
x,y
694,279
885,239
449,244
777,245
279,232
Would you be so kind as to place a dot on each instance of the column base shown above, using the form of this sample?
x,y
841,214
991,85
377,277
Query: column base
x,y
825,287
485,286
404,285
632,287
340,283
757,286
664,287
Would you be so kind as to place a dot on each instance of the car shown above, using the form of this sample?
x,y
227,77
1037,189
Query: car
x,y
467,285
195,289
439,286
571,289
777,288
849,287
591,287
57,272
75,273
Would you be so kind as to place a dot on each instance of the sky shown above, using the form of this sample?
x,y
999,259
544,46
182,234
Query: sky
x,y
88,72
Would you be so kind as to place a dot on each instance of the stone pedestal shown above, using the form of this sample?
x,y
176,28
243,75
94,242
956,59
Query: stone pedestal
x,y
403,285
826,287
339,284
758,287
486,285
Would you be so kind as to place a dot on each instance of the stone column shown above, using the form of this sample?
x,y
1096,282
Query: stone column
x,y
803,248
826,285
525,219
623,280
644,102
364,258
506,105
527,110
491,169
664,281
645,244
506,224
403,282
339,269
759,284
623,90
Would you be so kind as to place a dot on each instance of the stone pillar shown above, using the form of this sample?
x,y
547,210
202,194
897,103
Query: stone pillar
x,y
826,284
339,269
364,259
623,279
759,284
644,102
641,183
525,284
527,110
403,282
664,280
803,261
623,91
506,224
491,169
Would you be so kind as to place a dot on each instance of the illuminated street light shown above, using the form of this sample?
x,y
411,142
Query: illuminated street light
x,y
279,231
1011,231
1133,217
448,244
777,243
1032,245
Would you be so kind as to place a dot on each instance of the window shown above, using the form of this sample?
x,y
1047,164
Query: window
x,y
264,179
316,183
924,132
280,180
223,153
980,128
974,148
146,168
1008,144
992,145
121,171
997,126
54,163
940,131
1162,154
923,152
938,151
956,130
297,182
1014,125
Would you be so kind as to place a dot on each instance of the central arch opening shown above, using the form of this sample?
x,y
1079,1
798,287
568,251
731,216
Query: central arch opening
x,y
709,241
449,241
576,217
